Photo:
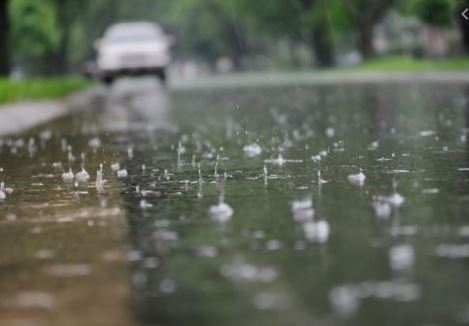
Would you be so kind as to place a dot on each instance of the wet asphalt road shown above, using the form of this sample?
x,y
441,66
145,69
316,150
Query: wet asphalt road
x,y
283,204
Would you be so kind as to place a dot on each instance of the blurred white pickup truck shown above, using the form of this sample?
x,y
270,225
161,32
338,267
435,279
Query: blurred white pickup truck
x,y
135,48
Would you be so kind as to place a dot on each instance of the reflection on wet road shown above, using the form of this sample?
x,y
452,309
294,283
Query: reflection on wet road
x,y
135,104
275,205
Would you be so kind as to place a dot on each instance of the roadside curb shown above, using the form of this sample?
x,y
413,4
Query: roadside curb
x,y
243,80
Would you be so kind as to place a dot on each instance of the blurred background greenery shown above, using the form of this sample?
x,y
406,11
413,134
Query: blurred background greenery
x,y
55,37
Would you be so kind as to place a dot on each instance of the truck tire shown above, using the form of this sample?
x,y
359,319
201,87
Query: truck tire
x,y
161,74
107,80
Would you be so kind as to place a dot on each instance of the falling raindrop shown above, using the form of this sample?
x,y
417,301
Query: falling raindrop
x,y
70,156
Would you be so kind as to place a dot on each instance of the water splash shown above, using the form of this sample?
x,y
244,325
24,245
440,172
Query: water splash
x,y
221,212
122,173
381,207
180,150
199,171
83,175
395,199
115,167
346,299
68,176
401,257
320,180
100,179
240,271
2,191
316,231
357,179
94,143
252,150
2,186
215,172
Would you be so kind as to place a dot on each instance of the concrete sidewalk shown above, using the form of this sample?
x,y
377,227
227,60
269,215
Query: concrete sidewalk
x,y
19,116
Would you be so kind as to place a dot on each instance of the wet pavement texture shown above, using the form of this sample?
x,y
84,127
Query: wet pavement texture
x,y
283,205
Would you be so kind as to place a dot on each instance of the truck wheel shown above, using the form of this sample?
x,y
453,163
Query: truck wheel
x,y
107,80
161,74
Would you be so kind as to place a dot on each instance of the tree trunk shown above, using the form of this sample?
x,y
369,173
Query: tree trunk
x,y
320,38
4,39
366,38
322,47
62,53
236,46
65,14
463,27
295,61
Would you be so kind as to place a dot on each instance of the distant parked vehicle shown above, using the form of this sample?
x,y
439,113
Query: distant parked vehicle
x,y
135,48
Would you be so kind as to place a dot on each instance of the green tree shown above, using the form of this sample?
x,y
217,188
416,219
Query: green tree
x,y
210,29
34,34
439,13
432,12
364,14
314,15
66,14
463,25
306,21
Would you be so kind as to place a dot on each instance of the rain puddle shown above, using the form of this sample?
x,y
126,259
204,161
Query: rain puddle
x,y
303,205
300,205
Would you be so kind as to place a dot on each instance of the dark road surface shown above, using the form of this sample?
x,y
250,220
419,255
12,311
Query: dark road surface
x,y
281,205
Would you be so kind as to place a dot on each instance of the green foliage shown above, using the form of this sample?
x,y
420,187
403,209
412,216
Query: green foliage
x,y
33,89
57,36
433,12
203,23
210,29
34,32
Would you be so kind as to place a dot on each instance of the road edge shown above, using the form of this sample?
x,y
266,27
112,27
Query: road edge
x,y
19,116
